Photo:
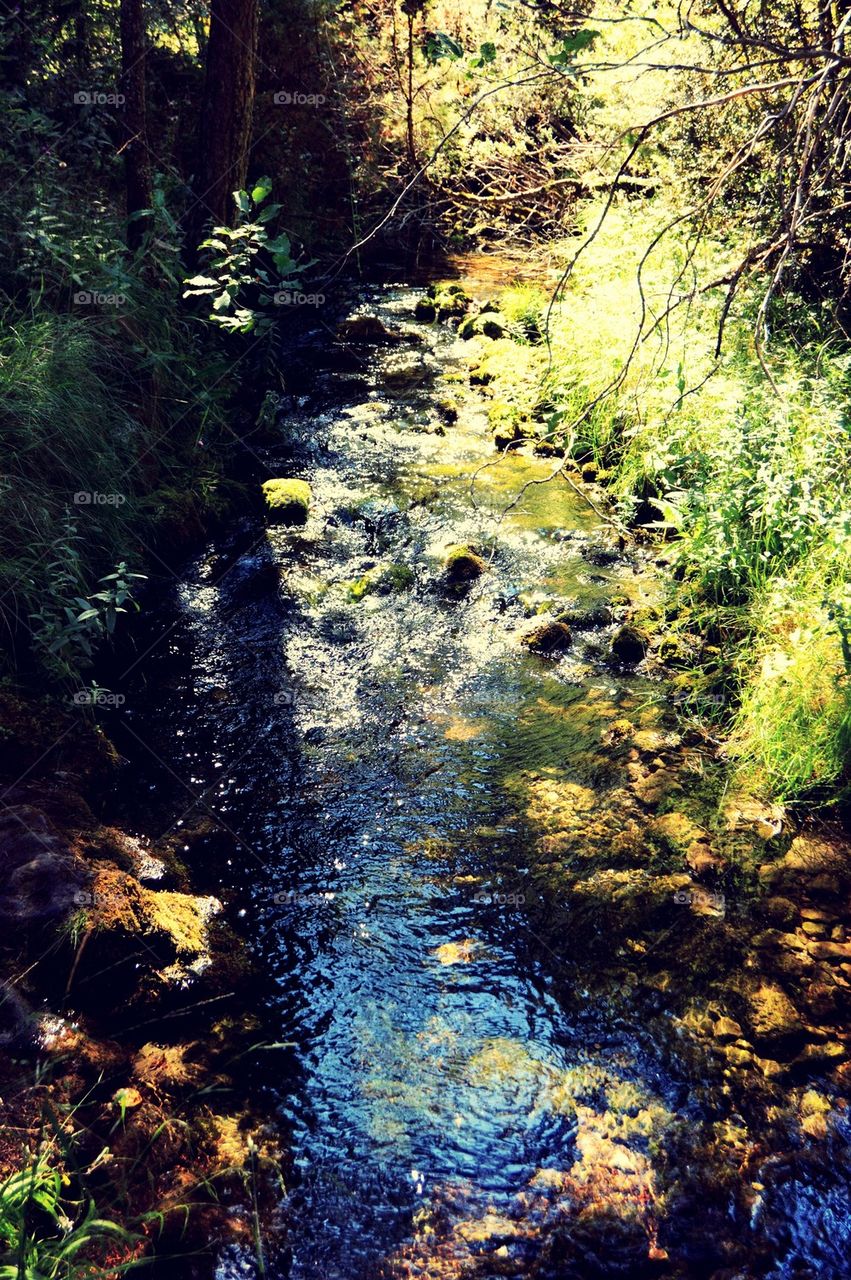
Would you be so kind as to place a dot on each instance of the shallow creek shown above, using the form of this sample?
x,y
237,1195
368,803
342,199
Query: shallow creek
x,y
453,1087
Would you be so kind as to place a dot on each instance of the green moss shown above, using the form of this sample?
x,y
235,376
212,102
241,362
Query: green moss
x,y
425,309
506,423
548,638
488,324
383,580
463,565
287,501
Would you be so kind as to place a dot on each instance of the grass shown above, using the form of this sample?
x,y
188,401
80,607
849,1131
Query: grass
x,y
90,469
753,478
45,1234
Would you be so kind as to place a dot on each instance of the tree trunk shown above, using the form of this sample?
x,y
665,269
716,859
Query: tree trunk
x,y
137,165
226,112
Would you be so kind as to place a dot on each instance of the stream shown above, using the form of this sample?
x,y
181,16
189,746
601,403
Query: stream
x,y
378,745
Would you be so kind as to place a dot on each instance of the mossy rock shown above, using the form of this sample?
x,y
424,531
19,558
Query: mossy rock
x,y
598,615
629,644
546,449
287,501
383,581
447,409
463,565
549,638
488,324
425,309
500,361
676,651
507,424
441,302
451,301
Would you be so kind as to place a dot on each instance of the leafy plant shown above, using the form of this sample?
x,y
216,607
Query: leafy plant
x,y
68,627
245,265
44,1233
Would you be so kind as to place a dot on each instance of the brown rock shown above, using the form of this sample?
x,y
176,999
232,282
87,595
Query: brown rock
x,y
833,952
815,1056
774,1020
548,638
368,330
781,910
727,1030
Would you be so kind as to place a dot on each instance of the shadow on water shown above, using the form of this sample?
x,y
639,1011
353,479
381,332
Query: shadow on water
x,y
375,752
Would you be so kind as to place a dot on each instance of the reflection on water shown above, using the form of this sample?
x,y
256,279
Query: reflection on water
x,y
382,748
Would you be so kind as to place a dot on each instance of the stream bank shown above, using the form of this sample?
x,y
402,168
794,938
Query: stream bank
x,y
539,994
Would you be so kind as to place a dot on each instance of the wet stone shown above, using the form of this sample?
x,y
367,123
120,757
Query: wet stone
x,y
40,877
549,638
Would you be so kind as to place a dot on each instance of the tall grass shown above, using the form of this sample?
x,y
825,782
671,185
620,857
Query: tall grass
x,y
90,466
753,474
45,1234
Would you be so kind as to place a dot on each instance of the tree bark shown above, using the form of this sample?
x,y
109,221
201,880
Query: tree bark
x,y
226,112
137,165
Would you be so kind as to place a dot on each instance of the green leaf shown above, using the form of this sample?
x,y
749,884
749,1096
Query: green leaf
x,y
440,45
487,53
281,244
261,190
572,45
202,282
241,200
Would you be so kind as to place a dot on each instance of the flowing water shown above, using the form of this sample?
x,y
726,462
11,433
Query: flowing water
x,y
378,746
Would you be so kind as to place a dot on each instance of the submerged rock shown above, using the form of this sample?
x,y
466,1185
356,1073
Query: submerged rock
x,y
287,501
548,638
383,580
368,330
406,373
774,1021
629,644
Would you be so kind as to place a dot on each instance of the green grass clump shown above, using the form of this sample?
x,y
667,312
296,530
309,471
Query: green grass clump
x,y
47,1235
